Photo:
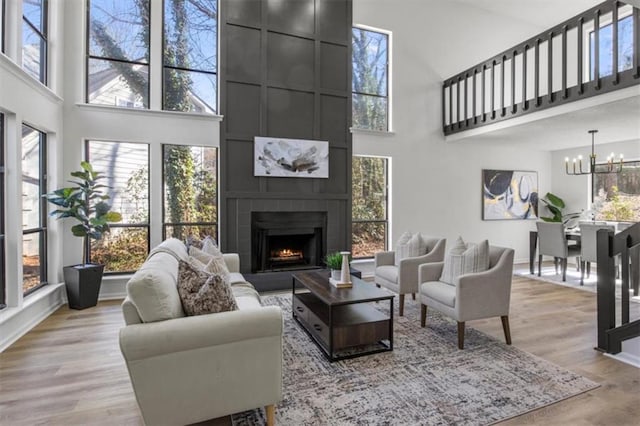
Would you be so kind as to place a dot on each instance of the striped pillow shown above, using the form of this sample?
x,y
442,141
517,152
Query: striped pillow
x,y
465,259
408,246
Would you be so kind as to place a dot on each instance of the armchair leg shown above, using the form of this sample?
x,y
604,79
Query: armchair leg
x,y
423,315
401,305
413,296
539,265
505,327
555,262
271,414
460,335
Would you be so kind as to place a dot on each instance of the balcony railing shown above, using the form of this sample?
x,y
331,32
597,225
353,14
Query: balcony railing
x,y
626,245
553,68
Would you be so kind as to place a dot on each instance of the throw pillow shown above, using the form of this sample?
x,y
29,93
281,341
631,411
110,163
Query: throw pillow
x,y
409,247
213,263
465,259
202,292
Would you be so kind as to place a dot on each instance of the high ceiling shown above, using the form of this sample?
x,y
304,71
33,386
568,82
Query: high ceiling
x,y
617,120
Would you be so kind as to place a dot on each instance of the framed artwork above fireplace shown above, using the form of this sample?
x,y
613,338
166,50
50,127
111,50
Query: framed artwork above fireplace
x,y
280,157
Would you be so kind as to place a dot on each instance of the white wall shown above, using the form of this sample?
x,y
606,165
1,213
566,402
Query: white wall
x,y
437,185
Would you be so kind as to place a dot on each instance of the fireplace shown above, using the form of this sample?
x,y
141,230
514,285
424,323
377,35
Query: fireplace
x,y
287,241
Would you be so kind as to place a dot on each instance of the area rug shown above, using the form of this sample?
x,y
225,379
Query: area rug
x,y
425,380
548,274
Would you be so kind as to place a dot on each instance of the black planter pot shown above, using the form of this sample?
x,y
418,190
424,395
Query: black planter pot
x,y
83,284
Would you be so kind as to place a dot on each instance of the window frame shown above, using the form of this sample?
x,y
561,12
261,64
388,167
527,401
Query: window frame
x,y
589,40
147,226
388,97
89,57
166,224
384,221
42,229
3,24
593,189
3,277
43,35
216,73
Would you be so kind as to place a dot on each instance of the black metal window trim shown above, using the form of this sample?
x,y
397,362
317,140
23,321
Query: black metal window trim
x,y
3,24
43,37
42,229
375,95
165,66
591,39
166,224
3,280
88,57
146,226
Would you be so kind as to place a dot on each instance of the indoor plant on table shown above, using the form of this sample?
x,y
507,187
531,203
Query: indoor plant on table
x,y
86,202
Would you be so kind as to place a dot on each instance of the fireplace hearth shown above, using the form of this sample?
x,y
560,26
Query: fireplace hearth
x,y
287,241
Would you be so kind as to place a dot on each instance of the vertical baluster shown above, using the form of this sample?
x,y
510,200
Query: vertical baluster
x,y
596,50
475,117
466,105
484,114
636,44
550,68
444,108
513,82
503,109
536,73
580,56
564,62
525,104
493,89
451,104
614,40
458,103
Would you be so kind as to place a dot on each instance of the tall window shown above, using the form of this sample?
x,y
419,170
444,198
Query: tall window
x,y
605,48
370,208
118,53
190,191
126,168
370,79
3,302
618,194
34,38
190,55
34,212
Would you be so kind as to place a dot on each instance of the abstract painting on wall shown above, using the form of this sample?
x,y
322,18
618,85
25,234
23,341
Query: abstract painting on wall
x,y
509,194
281,157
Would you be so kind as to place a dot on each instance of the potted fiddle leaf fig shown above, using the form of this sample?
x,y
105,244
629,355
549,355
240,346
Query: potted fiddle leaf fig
x,y
86,202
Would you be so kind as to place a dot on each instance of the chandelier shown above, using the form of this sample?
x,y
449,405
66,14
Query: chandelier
x,y
609,167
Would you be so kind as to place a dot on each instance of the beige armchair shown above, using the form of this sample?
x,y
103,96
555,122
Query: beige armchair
x,y
403,277
472,296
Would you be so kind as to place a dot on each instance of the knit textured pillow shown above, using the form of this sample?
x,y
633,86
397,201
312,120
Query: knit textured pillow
x,y
212,263
202,292
409,246
465,259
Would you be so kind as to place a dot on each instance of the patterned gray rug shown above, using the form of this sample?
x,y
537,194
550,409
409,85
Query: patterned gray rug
x,y
425,380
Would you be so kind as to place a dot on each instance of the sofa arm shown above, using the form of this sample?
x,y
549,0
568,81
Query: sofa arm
x,y
140,341
233,261
430,272
383,258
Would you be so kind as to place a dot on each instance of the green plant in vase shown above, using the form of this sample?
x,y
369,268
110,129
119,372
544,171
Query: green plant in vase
x,y
86,202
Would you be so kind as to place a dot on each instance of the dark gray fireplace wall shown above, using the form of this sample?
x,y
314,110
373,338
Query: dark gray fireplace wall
x,y
285,71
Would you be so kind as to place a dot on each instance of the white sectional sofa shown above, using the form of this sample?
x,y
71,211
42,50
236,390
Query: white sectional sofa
x,y
190,369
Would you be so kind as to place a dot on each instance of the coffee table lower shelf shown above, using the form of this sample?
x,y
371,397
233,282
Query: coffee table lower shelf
x,y
344,331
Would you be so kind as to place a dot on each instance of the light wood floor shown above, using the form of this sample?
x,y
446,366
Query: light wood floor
x,y
69,371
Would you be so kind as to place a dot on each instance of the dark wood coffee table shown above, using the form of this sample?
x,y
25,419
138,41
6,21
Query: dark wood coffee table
x,y
342,321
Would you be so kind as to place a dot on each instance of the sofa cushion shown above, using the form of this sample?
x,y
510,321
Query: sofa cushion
x,y
152,289
212,263
465,258
202,292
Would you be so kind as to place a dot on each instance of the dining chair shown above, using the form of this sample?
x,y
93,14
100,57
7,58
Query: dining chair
x,y
588,245
552,241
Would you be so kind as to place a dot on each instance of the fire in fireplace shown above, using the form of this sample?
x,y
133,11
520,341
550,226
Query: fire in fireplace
x,y
287,240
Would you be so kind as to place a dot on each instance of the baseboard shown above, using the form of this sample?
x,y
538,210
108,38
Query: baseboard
x,y
16,322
